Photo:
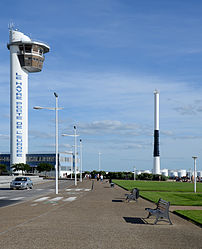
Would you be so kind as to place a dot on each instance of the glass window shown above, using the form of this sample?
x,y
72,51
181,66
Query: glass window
x,y
28,48
20,48
35,48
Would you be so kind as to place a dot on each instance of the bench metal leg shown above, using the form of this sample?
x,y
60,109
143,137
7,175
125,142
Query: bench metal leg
x,y
156,220
170,221
149,214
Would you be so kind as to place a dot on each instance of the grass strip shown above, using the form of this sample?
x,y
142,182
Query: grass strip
x,y
159,186
193,215
175,198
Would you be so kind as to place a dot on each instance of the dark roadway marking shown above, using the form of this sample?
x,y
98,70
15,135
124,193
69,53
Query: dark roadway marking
x,y
4,203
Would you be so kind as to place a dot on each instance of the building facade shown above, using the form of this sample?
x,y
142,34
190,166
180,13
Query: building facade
x,y
65,162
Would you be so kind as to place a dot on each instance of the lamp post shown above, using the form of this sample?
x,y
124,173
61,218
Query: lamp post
x,y
56,143
56,108
194,157
81,158
75,152
75,159
134,173
72,165
99,161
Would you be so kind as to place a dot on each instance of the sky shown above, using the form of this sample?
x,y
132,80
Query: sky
x,y
106,59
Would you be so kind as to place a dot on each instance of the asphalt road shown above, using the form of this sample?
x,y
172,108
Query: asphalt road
x,y
13,197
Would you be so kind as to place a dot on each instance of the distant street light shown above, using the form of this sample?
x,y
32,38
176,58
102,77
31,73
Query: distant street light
x,y
134,173
194,157
99,160
75,152
56,108
81,158
72,164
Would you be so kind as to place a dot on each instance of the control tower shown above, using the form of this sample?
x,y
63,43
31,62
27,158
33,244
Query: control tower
x,y
26,56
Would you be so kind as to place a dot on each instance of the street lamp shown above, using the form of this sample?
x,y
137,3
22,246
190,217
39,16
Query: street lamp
x,y
99,154
194,157
134,173
72,163
75,152
56,108
81,155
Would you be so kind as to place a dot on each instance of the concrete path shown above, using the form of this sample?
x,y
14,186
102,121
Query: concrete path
x,y
79,218
173,208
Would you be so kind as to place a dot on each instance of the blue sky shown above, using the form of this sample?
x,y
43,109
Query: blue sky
x,y
107,57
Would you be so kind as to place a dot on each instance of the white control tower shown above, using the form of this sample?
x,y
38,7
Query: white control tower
x,y
26,56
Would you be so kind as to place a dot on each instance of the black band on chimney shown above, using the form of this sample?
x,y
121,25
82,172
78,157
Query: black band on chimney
x,y
156,143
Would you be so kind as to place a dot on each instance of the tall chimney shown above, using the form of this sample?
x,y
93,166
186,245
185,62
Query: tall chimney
x,y
156,165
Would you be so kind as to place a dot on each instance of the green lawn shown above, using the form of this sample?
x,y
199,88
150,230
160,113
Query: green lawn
x,y
175,198
159,186
177,193
195,215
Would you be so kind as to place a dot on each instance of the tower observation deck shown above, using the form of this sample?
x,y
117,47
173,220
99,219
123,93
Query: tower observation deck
x,y
30,53
26,56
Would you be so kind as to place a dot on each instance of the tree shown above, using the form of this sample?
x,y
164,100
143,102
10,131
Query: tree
x,y
145,176
44,167
2,168
21,166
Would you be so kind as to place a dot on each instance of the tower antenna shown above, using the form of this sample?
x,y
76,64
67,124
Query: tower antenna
x,y
11,25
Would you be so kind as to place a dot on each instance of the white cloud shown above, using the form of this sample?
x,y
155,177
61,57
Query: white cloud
x,y
108,127
40,135
167,133
186,110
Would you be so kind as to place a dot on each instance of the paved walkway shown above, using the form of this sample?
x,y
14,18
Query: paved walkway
x,y
79,218
172,208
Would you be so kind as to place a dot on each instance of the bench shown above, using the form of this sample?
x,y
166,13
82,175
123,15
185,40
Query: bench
x,y
134,195
112,185
161,211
